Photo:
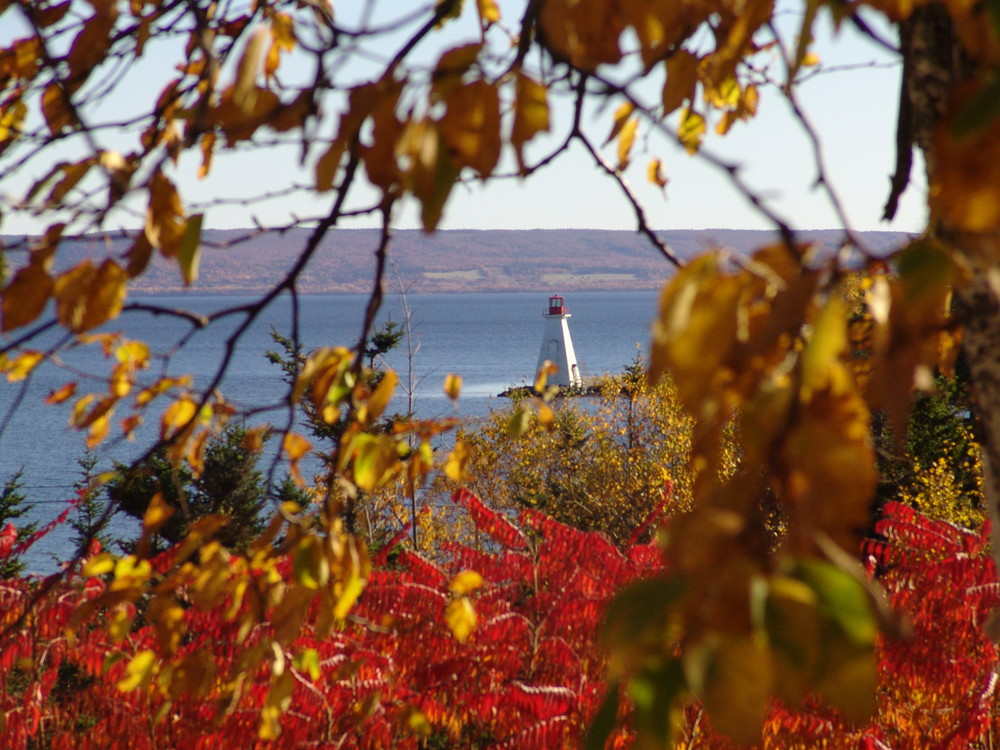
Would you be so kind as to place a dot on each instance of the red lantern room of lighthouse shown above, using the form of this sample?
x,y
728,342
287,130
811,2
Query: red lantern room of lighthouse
x,y
557,345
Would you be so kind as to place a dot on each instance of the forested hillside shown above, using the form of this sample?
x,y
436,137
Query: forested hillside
x,y
462,260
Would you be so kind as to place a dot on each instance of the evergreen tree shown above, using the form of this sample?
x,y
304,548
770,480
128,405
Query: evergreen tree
x,y
14,506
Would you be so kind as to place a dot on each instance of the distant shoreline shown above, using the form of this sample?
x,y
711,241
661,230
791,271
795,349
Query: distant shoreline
x,y
457,261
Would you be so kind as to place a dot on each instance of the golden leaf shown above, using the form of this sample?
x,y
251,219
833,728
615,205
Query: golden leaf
x,y
622,116
25,297
87,297
654,173
460,616
455,467
138,672
465,582
691,130
452,385
177,416
382,395
531,114
471,126
12,118
189,250
625,142
98,565
489,13
157,514
295,447
207,150
431,174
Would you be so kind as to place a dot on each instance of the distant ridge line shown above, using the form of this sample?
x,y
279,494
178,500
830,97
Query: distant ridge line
x,y
456,260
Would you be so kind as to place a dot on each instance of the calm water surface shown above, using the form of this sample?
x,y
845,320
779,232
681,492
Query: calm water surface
x,y
491,340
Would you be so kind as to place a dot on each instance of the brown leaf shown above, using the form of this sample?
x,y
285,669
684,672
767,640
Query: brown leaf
x,y
682,77
531,114
165,222
90,46
56,110
25,296
582,32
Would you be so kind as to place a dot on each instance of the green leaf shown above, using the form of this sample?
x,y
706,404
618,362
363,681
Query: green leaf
x,y
841,600
605,721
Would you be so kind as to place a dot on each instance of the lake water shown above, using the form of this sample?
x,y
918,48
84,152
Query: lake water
x,y
491,340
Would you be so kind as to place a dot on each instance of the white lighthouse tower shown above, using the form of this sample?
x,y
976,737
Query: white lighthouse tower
x,y
557,345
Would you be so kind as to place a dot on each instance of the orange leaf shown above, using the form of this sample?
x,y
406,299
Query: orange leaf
x,y
62,393
295,448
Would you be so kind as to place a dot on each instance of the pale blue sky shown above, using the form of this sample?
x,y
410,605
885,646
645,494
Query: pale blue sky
x,y
853,110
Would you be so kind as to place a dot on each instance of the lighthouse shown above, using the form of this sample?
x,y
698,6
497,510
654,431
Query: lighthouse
x,y
557,345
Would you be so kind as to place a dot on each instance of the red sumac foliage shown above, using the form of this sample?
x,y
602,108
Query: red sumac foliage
x,y
937,681
527,674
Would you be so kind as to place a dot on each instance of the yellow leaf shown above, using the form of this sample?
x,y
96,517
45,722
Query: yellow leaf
x,y
157,514
308,661
455,467
452,385
177,416
98,429
625,142
283,31
654,173
489,13
25,296
138,672
622,115
189,250
98,565
460,616
295,447
12,121
465,582
279,698
349,594
133,354
691,130
21,366
382,395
